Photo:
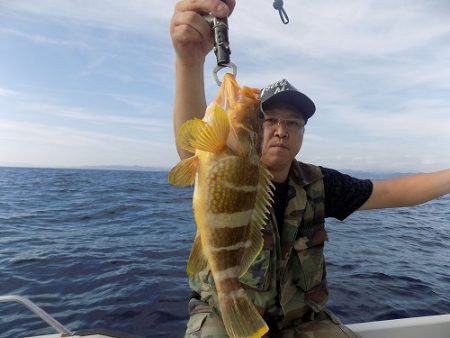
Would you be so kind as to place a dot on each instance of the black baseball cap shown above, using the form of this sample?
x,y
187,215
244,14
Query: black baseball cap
x,y
282,91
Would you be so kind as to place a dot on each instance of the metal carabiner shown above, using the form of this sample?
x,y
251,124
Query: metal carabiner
x,y
218,68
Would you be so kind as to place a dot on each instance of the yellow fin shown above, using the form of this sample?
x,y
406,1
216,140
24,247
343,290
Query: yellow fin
x,y
188,132
183,174
264,196
213,137
259,216
240,317
250,254
197,260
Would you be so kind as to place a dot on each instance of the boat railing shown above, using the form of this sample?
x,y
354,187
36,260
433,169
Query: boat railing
x,y
39,312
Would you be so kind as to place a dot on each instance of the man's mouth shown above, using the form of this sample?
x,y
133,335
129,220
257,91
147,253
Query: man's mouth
x,y
279,145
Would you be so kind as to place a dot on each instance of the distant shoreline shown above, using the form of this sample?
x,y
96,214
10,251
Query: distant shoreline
x,y
364,174
112,167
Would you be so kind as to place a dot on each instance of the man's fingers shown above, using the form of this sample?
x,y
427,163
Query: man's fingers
x,y
215,7
189,26
231,4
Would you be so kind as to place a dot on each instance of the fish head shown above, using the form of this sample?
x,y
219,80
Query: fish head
x,y
242,107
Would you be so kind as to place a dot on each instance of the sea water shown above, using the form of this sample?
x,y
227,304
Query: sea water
x,y
108,249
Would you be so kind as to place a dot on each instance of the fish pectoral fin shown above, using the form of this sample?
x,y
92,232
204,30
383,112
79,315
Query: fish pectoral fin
x,y
188,133
197,260
259,216
213,137
183,174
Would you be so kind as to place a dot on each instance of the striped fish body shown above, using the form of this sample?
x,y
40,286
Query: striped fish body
x,y
231,195
224,200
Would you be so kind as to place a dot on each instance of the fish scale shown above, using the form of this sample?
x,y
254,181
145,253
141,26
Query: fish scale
x,y
231,192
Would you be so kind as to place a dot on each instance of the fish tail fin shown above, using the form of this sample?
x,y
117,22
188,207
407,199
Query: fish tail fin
x,y
239,315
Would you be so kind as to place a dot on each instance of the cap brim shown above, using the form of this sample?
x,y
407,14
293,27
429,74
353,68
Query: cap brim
x,y
298,100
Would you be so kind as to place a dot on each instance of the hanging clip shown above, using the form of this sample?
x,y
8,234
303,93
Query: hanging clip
x,y
278,5
221,46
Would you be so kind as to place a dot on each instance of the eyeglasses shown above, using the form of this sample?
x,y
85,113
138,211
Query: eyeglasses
x,y
289,124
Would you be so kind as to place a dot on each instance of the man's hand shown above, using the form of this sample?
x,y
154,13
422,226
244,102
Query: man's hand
x,y
191,34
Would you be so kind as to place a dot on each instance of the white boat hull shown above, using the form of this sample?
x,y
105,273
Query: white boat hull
x,y
416,327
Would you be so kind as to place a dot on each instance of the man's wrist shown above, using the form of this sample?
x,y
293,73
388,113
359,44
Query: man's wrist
x,y
189,66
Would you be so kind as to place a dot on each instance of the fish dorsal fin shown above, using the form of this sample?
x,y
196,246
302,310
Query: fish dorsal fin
x,y
264,197
259,216
212,137
197,260
183,174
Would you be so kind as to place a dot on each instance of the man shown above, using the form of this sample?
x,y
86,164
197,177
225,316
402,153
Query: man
x,y
287,281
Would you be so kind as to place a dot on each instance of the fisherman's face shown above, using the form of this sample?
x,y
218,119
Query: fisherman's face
x,y
283,129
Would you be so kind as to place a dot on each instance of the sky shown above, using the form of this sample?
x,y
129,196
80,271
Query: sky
x,y
91,83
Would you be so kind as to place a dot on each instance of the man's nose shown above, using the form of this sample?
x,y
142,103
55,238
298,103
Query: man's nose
x,y
281,130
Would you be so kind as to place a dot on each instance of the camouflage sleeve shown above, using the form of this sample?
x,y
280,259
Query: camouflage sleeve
x,y
344,194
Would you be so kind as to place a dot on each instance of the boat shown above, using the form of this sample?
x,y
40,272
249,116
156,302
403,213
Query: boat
x,y
437,326
60,329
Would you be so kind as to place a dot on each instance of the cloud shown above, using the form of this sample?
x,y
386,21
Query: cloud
x,y
65,146
83,115
135,16
58,135
40,39
8,93
327,28
378,70
374,154
319,28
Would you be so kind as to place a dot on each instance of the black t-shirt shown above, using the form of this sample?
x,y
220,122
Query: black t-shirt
x,y
344,195
279,202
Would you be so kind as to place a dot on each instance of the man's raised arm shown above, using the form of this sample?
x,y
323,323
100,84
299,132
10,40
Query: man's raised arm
x,y
408,190
192,40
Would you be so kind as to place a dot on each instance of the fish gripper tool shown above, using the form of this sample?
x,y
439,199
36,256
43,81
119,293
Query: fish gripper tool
x,y
221,46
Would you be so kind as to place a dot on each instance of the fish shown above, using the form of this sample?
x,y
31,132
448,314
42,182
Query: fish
x,y
231,199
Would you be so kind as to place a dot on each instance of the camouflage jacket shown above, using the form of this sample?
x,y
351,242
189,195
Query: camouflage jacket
x,y
288,277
